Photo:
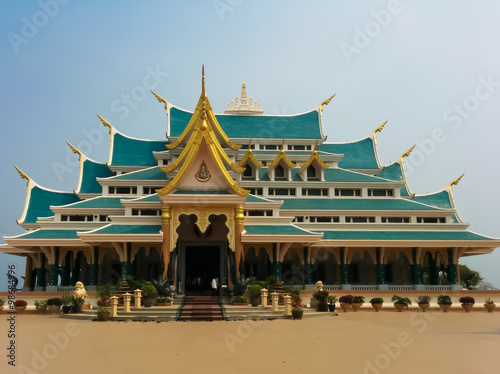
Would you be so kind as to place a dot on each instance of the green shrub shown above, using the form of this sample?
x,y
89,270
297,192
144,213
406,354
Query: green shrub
x,y
377,300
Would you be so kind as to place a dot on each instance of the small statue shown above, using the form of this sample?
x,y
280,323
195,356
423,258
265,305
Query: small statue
x,y
80,291
318,286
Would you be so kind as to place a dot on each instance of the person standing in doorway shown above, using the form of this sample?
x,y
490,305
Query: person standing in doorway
x,y
214,287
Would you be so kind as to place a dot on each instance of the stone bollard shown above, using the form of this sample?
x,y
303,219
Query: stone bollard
x,y
114,306
126,303
263,298
138,296
288,305
274,298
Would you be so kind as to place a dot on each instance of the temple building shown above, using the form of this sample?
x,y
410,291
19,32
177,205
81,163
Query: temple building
x,y
239,195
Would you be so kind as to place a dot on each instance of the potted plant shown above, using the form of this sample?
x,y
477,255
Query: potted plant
x,y
467,303
54,305
20,305
377,303
103,314
331,303
164,301
77,304
489,305
103,301
149,294
424,303
357,302
2,301
240,300
66,301
345,302
400,302
254,292
321,296
41,305
297,311
444,301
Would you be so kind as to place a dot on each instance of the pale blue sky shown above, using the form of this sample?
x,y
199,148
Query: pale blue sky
x,y
59,69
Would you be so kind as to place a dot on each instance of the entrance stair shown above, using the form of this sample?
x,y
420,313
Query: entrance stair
x,y
201,308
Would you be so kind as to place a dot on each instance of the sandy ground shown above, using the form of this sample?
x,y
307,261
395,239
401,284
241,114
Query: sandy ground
x,y
363,342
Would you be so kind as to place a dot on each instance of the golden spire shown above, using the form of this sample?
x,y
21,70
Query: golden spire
x,y
203,80
160,99
407,153
249,155
455,182
326,102
23,175
379,129
314,156
75,150
106,123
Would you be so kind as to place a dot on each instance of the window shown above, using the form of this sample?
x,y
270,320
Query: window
x,y
150,190
315,192
298,219
324,219
249,172
259,213
245,146
431,219
299,147
360,219
123,190
347,192
145,212
279,172
395,219
312,173
271,147
256,191
282,191
380,192
103,218
64,218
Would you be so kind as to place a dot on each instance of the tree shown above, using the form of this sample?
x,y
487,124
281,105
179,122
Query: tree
x,y
469,278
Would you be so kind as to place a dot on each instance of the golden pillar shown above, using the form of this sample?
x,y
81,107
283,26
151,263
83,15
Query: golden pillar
x,y
238,229
165,227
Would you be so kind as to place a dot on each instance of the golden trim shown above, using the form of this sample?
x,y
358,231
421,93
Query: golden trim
x,y
239,215
455,182
379,129
22,175
75,150
408,152
326,102
165,215
106,124
203,222
160,99
249,155
281,156
314,156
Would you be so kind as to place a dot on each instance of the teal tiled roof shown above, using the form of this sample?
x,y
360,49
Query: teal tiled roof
x,y
257,199
403,235
50,234
134,152
353,204
439,199
341,175
91,171
153,197
129,229
154,173
41,199
98,202
392,172
357,155
300,126
275,230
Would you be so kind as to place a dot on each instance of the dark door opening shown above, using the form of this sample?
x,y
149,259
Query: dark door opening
x,y
202,264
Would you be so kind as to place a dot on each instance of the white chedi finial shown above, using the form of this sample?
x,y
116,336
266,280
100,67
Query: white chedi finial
x,y
244,106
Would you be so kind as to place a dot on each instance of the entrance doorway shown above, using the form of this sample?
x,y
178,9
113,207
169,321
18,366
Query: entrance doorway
x,y
201,262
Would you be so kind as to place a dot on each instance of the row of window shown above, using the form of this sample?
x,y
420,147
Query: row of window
x,y
146,212
85,218
131,190
354,219
347,192
276,147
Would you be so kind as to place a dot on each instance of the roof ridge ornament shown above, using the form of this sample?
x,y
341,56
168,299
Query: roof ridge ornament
x,y
379,129
22,174
408,152
455,182
244,106
75,150
106,124
160,99
326,102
